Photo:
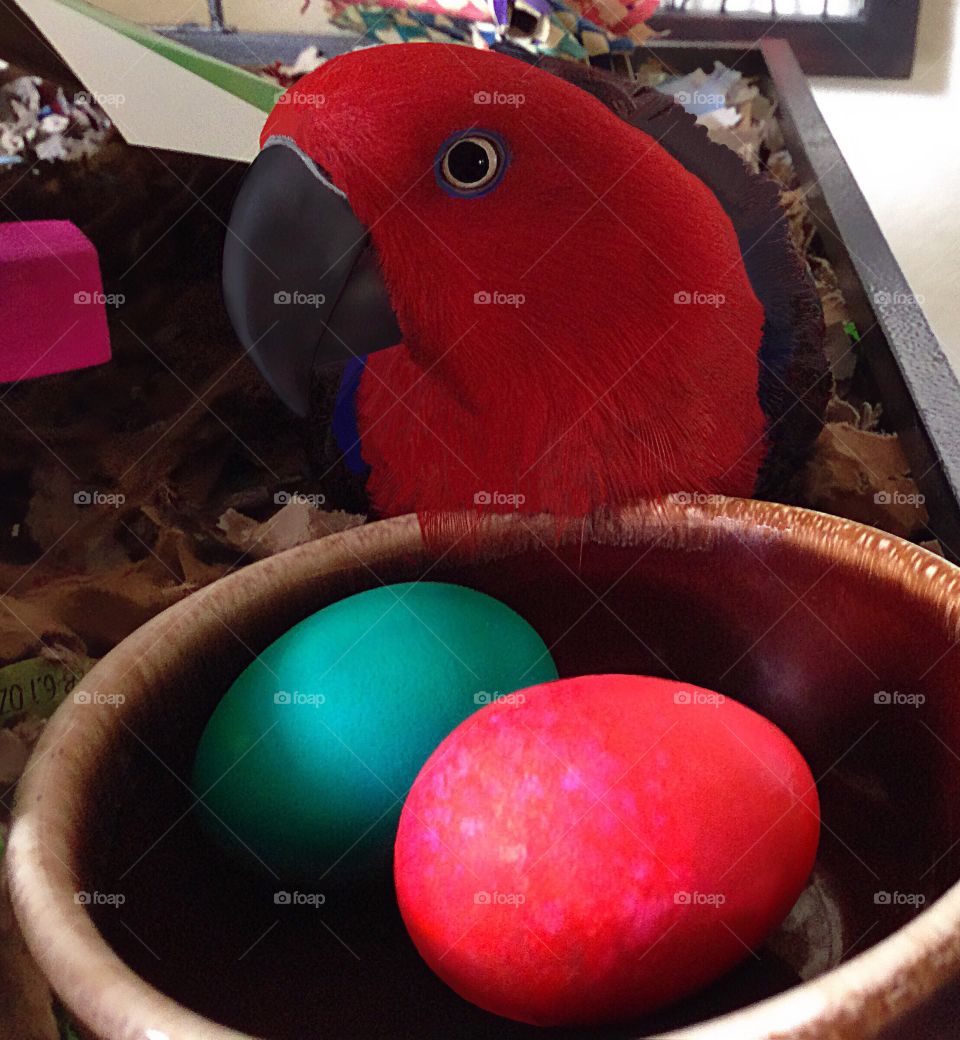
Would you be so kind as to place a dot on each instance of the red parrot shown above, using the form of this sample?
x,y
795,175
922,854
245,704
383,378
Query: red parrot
x,y
554,296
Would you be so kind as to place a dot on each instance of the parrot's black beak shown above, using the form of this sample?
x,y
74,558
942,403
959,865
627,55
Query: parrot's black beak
x,y
301,279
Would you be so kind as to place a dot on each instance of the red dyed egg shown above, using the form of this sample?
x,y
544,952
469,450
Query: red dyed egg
x,y
591,849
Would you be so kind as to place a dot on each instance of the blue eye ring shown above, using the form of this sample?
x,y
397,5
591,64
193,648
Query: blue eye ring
x,y
498,157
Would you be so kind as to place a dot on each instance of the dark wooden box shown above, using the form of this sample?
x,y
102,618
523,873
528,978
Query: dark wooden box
x,y
899,356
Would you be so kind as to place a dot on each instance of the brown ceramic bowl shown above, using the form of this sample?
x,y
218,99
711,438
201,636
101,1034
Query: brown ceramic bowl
x,y
841,635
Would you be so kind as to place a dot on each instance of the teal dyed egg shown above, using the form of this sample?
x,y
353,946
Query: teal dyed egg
x,y
305,763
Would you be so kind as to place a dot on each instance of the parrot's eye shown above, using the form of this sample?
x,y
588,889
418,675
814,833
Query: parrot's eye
x,y
471,164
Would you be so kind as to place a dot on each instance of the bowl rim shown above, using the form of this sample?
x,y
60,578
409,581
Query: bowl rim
x,y
853,1000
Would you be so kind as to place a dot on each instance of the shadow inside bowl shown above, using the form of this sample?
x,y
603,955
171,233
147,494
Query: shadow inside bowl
x,y
835,639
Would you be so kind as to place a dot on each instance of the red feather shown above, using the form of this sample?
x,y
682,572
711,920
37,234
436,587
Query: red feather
x,y
596,385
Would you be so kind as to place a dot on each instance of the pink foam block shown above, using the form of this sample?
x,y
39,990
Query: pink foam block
x,y
52,305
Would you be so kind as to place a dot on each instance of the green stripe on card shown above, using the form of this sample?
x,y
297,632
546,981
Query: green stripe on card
x,y
255,90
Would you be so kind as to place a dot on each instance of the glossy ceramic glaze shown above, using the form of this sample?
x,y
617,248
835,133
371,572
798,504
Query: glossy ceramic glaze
x,y
841,635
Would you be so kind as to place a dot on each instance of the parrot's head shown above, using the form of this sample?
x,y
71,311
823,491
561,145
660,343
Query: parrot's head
x,y
479,210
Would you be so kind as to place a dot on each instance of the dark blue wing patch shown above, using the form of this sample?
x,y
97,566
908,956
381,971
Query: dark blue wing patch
x,y
344,424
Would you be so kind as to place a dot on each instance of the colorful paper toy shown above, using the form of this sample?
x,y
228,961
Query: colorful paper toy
x,y
552,27
158,93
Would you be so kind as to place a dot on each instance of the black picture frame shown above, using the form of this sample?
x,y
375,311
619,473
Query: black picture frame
x,y
879,43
